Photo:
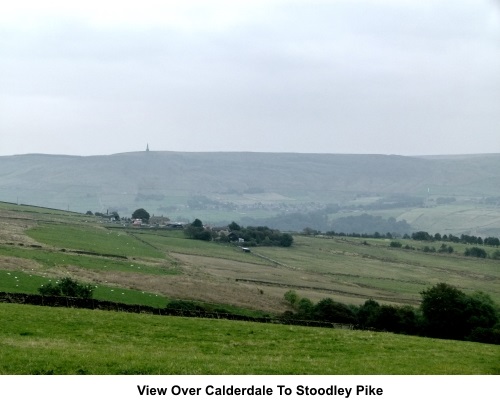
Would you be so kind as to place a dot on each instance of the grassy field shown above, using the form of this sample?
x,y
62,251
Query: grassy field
x,y
58,259
92,238
22,282
39,340
165,263
38,246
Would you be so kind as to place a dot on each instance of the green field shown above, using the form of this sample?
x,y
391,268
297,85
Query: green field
x,y
163,262
39,340
21,282
56,258
156,266
92,238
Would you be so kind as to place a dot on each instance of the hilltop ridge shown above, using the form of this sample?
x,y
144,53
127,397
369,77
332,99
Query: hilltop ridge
x,y
235,183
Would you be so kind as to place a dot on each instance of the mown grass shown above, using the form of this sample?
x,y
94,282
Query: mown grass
x,y
41,340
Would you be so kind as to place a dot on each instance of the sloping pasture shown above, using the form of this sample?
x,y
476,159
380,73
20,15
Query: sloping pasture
x,y
93,239
163,262
42,340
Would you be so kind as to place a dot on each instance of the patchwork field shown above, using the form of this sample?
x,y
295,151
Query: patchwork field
x,y
165,263
152,267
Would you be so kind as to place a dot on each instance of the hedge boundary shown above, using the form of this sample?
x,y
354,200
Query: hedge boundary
x,y
93,304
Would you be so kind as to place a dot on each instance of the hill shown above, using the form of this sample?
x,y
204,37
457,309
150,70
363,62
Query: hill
x,y
254,187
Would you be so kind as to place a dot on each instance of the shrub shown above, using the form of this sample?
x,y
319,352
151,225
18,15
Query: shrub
x,y
305,308
67,287
396,244
485,335
181,305
445,249
291,297
387,317
286,240
328,310
476,252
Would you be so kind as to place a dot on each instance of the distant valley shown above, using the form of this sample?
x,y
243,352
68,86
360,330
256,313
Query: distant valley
x,y
357,193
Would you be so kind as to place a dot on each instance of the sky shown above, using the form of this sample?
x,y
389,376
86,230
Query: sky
x,y
305,76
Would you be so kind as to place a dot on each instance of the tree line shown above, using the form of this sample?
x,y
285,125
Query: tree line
x,y
425,236
467,239
445,312
245,236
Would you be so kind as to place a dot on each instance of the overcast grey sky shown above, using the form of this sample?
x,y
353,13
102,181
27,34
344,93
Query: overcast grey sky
x,y
340,76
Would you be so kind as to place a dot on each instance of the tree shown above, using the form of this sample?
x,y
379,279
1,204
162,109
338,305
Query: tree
x,y
233,226
409,320
197,223
388,319
196,231
451,314
286,240
328,310
141,213
483,319
421,235
492,241
203,235
480,310
310,231
443,308
368,313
